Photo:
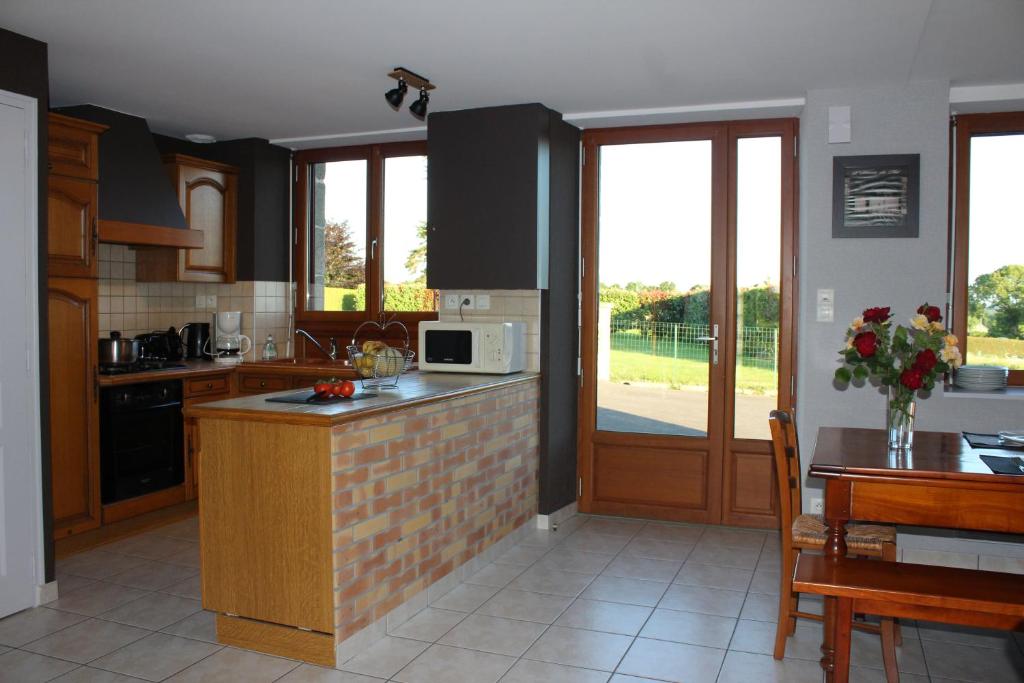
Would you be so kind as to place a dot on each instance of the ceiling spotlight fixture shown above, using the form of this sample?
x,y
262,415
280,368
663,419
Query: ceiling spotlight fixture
x,y
200,138
419,107
406,79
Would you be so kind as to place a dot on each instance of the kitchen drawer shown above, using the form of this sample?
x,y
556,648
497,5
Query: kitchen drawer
x,y
205,386
261,384
302,381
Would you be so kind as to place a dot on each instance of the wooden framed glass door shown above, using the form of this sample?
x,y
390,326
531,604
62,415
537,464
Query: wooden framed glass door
x,y
687,318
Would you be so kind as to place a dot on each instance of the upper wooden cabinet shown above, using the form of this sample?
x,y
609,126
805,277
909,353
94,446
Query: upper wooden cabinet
x,y
74,404
73,147
72,230
208,194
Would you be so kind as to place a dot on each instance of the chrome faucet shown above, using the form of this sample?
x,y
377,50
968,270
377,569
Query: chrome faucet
x,y
332,354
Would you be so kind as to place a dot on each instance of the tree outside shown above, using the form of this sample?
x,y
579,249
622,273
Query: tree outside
x,y
344,266
995,322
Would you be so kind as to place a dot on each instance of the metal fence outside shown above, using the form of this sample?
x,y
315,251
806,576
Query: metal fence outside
x,y
757,346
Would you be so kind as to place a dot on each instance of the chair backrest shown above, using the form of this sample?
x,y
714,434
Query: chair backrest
x,y
787,470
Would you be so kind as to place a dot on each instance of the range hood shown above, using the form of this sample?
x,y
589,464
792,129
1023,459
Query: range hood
x,y
137,202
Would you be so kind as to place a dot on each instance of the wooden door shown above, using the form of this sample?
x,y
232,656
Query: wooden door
x,y
207,194
681,365
72,232
74,404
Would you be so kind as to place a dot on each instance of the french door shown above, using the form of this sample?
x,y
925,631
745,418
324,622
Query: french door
x,y
687,318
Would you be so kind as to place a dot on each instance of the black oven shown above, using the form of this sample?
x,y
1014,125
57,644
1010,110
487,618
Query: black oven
x,y
140,439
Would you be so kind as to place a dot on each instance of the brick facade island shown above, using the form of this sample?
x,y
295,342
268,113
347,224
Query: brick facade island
x,y
320,524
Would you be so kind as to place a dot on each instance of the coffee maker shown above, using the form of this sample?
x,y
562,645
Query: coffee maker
x,y
228,344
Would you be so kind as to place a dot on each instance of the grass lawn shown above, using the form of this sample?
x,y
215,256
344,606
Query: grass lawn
x,y
629,366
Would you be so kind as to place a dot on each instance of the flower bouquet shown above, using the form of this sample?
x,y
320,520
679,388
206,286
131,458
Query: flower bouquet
x,y
906,360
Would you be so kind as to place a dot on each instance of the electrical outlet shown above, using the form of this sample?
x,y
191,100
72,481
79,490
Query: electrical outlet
x,y
483,302
468,302
200,301
211,301
817,506
451,301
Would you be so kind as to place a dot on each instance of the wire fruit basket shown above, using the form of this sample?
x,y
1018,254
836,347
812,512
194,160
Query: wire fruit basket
x,y
379,365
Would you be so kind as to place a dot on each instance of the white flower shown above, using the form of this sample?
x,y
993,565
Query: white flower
x,y
849,343
919,322
951,355
950,340
936,326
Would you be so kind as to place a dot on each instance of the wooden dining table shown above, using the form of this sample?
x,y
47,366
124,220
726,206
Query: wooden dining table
x,y
941,482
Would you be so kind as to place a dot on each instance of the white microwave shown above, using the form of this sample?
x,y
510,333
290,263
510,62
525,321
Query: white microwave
x,y
489,348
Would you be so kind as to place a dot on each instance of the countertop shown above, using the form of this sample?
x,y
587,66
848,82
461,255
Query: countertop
x,y
193,368
196,368
414,388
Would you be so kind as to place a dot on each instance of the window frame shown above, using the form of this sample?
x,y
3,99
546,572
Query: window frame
x,y
375,155
966,126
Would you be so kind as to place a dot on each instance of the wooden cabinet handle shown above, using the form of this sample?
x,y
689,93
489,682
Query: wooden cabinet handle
x,y
95,234
209,385
262,383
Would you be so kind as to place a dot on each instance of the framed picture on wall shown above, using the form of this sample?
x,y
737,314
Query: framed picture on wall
x,y
875,196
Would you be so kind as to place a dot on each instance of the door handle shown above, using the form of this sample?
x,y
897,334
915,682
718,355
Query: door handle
x,y
714,343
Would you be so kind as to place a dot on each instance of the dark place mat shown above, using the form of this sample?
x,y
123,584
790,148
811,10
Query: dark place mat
x,y
307,396
991,441
1003,465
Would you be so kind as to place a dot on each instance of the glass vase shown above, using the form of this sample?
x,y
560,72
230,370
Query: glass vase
x,y
899,418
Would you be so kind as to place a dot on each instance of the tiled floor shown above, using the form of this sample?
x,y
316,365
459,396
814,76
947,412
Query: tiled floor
x,y
599,601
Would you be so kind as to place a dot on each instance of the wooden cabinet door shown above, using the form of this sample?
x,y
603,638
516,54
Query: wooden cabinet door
x,y
73,147
74,405
207,193
72,232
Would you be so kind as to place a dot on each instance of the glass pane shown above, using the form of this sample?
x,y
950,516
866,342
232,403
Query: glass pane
x,y
336,277
654,268
405,236
758,255
995,270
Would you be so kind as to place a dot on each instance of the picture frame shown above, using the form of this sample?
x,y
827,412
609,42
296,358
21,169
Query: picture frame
x,y
876,195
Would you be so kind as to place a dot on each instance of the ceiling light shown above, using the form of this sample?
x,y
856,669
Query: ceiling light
x,y
200,138
406,79
419,107
395,95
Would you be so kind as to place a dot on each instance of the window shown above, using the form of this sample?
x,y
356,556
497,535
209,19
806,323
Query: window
x,y
988,244
361,213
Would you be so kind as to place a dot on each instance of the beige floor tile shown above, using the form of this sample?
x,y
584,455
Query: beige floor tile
x,y
722,603
97,599
671,532
758,637
658,549
590,542
733,538
644,568
97,564
154,611
528,671
725,556
199,626
714,576
860,674
153,576
973,663
743,667
33,624
689,627
623,678
465,597
962,635
189,588
760,607
673,661
386,657
156,657
581,648
231,665
66,583
614,527
542,538
18,666
516,604
493,634
186,529
307,673
497,575
187,557
87,674
566,559
541,579
86,640
866,651
455,665
151,546
610,617
429,624
766,582
523,555
629,591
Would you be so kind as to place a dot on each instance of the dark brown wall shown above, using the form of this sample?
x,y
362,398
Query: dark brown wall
x,y
23,70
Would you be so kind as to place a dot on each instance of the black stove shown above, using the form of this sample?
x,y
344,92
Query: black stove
x,y
142,365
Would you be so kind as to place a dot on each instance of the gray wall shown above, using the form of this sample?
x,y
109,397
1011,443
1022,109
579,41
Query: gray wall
x,y
901,273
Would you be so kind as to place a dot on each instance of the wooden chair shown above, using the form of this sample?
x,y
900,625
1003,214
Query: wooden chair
x,y
808,532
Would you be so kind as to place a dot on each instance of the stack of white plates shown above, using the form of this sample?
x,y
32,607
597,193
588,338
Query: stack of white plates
x,y
980,377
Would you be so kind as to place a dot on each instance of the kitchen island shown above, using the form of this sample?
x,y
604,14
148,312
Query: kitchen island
x,y
320,522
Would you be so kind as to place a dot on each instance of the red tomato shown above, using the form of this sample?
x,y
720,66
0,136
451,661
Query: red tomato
x,y
322,388
347,388
336,389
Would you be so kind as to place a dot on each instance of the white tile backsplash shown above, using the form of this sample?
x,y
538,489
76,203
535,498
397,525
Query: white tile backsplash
x,y
507,305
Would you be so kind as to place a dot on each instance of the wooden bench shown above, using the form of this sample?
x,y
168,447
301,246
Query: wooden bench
x,y
911,591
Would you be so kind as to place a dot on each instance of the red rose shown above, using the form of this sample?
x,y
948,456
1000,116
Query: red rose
x,y
933,313
911,379
925,360
876,315
866,344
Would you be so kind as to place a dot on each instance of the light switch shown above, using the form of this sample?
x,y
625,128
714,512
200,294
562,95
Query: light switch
x,y
211,301
839,124
451,301
826,305
483,302
200,301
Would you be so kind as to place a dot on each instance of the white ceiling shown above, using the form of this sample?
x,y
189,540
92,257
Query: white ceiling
x,y
313,72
